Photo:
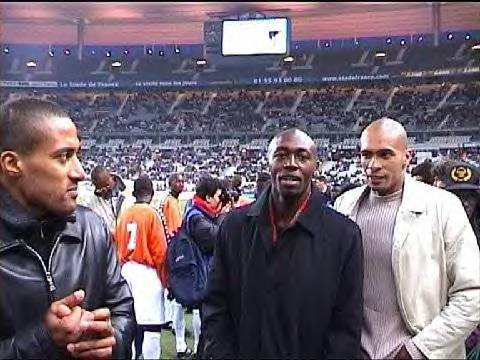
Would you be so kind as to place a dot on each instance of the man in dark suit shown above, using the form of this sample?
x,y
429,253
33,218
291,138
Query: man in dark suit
x,y
288,270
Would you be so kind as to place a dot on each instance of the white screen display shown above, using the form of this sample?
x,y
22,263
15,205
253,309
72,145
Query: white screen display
x,y
255,37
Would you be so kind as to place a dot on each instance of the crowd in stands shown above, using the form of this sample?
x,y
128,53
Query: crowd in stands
x,y
128,161
205,114
340,165
323,109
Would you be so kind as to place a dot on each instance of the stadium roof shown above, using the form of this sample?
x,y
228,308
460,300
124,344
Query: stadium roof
x,y
179,12
309,19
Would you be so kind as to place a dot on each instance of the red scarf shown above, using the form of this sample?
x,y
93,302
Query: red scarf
x,y
205,206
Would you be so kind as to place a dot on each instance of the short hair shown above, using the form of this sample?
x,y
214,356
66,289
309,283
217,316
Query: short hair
x,y
142,187
97,172
322,178
292,131
21,120
172,178
207,185
425,171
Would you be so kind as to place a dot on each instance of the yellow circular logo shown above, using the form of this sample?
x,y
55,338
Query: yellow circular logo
x,y
461,174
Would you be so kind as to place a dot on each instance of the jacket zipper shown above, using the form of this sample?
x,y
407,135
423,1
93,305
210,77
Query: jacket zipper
x,y
47,271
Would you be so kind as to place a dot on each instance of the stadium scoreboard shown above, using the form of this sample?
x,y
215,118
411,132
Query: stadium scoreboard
x,y
266,36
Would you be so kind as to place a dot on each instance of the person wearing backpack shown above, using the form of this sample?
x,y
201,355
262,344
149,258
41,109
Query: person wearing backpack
x,y
203,221
171,213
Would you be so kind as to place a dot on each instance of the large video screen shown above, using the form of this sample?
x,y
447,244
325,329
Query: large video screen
x,y
255,37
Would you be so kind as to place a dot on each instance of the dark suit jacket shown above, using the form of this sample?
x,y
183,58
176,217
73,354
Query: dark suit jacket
x,y
301,298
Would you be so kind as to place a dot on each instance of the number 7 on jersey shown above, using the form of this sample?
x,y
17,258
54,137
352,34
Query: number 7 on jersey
x,y
132,239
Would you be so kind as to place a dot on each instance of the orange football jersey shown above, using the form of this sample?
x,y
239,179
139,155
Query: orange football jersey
x,y
173,214
140,237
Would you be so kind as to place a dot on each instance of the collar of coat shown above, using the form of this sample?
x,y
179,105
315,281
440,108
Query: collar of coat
x,y
20,221
309,218
413,197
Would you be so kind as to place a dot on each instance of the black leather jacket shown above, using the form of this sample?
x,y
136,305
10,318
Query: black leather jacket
x,y
83,257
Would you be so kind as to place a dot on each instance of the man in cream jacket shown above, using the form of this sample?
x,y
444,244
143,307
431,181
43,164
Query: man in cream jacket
x,y
421,260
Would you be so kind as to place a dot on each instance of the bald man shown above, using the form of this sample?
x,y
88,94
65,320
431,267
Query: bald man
x,y
287,275
422,265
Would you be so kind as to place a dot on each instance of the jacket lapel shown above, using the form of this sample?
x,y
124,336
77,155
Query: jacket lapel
x,y
351,208
403,222
411,206
259,214
311,219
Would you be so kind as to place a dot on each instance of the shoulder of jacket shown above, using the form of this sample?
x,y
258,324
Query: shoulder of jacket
x,y
434,195
86,213
339,225
194,214
238,216
334,215
350,195
86,218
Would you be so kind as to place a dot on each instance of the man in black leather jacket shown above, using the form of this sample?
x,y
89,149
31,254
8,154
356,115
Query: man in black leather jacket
x,y
62,294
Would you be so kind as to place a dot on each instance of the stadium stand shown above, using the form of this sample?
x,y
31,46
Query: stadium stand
x,y
224,130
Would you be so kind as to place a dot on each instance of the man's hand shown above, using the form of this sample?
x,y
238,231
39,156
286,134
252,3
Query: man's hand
x,y
98,339
64,317
403,354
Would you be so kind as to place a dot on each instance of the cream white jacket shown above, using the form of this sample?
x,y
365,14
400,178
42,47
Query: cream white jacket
x,y
436,266
105,209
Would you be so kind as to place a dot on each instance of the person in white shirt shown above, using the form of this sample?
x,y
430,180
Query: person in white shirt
x,y
107,199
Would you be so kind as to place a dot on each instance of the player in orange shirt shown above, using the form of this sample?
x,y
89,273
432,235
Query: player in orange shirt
x,y
171,205
173,218
142,248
